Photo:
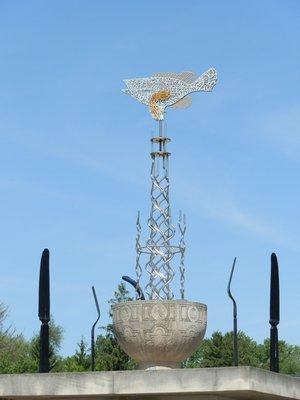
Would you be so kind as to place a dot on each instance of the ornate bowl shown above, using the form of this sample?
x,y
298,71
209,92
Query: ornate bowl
x,y
159,333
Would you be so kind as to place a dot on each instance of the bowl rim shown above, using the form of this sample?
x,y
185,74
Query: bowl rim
x,y
177,301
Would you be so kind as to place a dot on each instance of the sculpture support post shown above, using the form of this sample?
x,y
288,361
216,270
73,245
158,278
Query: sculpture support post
x,y
274,314
44,312
161,229
159,247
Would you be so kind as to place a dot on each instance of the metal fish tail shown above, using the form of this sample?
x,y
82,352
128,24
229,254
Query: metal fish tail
x,y
205,82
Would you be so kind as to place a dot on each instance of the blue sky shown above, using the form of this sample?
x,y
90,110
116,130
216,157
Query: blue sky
x,y
74,164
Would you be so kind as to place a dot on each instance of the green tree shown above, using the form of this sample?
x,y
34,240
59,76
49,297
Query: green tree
x,y
218,351
55,340
14,349
80,361
120,295
81,355
15,355
289,357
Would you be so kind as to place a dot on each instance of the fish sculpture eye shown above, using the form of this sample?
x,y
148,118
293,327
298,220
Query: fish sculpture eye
x,y
155,110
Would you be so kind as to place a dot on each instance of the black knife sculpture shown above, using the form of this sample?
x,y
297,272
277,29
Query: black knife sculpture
x,y
274,314
235,338
93,331
44,312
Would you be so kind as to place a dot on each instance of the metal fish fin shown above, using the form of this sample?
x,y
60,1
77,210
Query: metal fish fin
x,y
137,84
183,103
165,75
187,76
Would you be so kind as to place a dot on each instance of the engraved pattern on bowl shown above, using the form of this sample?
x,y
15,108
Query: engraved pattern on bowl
x,y
159,332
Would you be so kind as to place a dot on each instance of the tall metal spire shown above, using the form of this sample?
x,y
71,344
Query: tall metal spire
x,y
159,246
159,91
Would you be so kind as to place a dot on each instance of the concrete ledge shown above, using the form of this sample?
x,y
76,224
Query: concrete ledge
x,y
183,384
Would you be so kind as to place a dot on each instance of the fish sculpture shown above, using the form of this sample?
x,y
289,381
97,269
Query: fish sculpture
x,y
166,89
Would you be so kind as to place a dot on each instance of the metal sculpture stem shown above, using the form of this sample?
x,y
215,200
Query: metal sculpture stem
x,y
274,314
161,229
235,338
159,247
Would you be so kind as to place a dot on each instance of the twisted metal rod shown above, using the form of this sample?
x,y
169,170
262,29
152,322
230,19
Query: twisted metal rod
x,y
161,233
138,268
182,230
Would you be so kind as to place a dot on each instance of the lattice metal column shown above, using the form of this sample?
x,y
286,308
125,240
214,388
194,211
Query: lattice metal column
x,y
161,228
159,248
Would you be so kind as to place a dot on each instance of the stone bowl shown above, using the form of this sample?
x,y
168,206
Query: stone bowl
x,y
159,333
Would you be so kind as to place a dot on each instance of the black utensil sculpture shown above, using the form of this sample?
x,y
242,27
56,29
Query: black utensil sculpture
x,y
44,312
93,331
274,314
235,339
135,285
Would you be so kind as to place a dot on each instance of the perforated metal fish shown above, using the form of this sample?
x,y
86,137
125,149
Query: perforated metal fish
x,y
166,89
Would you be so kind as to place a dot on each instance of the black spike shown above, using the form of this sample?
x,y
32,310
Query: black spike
x,y
274,314
44,312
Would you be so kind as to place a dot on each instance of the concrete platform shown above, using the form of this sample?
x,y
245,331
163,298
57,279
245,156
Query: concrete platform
x,y
182,384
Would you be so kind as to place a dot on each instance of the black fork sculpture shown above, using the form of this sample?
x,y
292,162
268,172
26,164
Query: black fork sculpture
x,y
274,314
235,339
44,312
93,331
